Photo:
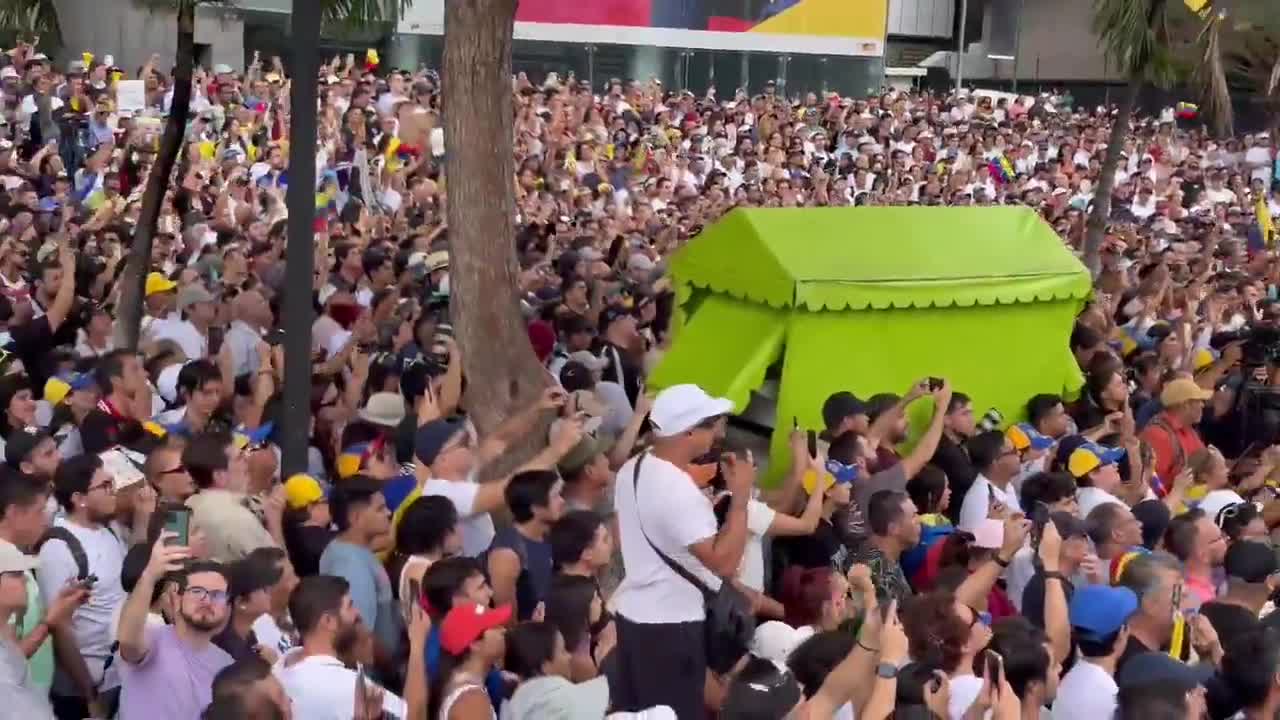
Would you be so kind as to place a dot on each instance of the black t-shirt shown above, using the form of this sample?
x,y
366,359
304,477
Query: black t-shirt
x,y
953,459
306,543
1033,597
1231,621
534,583
33,341
822,548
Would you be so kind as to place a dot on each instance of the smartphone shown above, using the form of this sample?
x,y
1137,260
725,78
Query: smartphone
x,y
275,337
177,520
88,582
935,383
813,444
1039,518
993,667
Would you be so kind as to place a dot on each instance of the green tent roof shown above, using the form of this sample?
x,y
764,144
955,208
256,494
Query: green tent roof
x,y
890,257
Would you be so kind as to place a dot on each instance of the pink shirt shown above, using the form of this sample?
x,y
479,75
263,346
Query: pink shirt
x,y
1202,589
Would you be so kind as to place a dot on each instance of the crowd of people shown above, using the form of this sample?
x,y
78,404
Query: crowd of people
x,y
1105,555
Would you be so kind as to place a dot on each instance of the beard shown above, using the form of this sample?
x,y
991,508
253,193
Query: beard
x,y
209,623
345,642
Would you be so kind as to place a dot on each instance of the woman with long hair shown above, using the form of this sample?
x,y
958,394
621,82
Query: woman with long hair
x,y
428,531
575,608
472,641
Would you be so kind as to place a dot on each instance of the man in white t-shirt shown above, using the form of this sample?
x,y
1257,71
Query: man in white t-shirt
x,y
84,490
1099,618
662,653
997,462
448,459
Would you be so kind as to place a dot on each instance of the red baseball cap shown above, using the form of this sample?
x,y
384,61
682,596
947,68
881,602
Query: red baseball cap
x,y
466,623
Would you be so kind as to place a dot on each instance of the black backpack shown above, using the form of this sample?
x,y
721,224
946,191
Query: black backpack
x,y
57,532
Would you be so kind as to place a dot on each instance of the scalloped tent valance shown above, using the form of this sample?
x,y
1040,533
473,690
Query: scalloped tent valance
x,y
879,258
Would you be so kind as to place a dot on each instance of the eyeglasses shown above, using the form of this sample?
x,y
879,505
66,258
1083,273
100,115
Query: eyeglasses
x,y
173,471
107,487
215,597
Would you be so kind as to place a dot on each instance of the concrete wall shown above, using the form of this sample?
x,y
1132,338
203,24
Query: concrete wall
x,y
922,18
1058,34
131,35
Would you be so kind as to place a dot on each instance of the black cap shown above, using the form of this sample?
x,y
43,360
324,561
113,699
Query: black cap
x,y
839,406
1154,516
20,443
1251,562
575,376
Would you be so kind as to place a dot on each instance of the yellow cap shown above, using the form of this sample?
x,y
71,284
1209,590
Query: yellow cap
x,y
158,283
810,481
302,490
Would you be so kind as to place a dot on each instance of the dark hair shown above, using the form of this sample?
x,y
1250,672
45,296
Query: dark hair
x,y
1039,407
1097,647
1181,535
1048,488
529,646
958,400
1151,701
110,366
1235,523
1084,337
313,598
985,448
73,477
571,535
528,490
259,569
196,567
240,676
21,491
1021,646
927,488
817,656
195,375
568,607
803,592
1102,522
444,579
934,632
349,496
425,524
883,509
236,707
205,455
1249,666
844,448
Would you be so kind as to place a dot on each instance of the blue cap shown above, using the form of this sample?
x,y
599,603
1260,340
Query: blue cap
x,y
48,204
1091,456
1157,668
432,437
844,474
1097,611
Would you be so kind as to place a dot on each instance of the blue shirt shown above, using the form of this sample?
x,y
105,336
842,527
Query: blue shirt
x,y
370,588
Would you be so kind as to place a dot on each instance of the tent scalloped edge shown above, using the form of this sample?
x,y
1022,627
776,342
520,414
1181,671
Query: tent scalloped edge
x,y
969,299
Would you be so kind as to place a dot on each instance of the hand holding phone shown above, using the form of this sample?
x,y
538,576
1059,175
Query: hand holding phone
x,y
177,520
813,444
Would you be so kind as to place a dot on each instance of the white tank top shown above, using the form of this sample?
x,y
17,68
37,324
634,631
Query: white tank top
x,y
456,693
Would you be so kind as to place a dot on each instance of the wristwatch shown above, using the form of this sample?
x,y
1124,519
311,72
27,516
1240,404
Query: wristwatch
x,y
888,671
1054,575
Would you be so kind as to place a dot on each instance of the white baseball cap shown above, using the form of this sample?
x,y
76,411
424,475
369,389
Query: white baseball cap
x,y
680,408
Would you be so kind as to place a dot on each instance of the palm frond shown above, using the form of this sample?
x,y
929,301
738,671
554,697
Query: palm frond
x,y
362,12
35,17
1211,75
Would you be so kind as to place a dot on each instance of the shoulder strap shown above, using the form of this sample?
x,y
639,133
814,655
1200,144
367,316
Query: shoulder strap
x,y
675,566
57,532
1179,454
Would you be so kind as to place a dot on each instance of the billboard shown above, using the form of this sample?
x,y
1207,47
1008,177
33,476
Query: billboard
x,y
824,27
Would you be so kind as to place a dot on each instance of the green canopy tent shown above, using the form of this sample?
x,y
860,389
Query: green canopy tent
x,y
870,300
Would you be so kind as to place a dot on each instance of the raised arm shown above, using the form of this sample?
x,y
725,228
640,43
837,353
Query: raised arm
x,y
133,616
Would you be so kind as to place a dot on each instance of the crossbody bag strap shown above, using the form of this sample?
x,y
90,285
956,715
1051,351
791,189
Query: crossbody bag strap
x,y
676,567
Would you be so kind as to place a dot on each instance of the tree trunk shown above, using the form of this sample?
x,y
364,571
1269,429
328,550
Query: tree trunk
x,y
1097,227
501,370
299,259
129,322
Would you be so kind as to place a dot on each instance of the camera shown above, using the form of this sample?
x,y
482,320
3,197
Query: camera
x,y
1261,344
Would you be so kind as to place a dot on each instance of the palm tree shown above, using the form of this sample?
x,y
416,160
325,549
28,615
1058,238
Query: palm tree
x,y
1238,46
1135,34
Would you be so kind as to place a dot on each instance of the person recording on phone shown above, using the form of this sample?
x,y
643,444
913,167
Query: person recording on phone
x,y
168,670
998,464
87,494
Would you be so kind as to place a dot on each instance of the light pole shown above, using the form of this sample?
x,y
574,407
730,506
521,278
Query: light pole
x,y
299,259
964,17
